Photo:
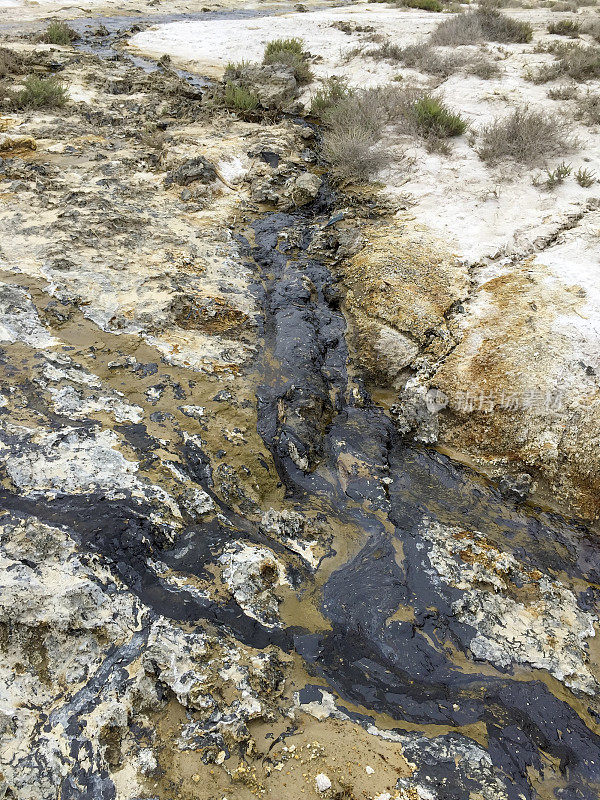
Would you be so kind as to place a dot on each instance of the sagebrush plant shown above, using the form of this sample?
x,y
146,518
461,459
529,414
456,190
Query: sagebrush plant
x,y
424,5
581,63
424,57
593,30
354,126
588,108
433,119
486,23
291,53
333,91
41,93
565,27
59,33
562,6
354,153
239,98
464,28
525,135
565,92
482,67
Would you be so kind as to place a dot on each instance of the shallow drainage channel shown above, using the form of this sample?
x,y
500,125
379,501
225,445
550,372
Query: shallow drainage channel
x,y
446,618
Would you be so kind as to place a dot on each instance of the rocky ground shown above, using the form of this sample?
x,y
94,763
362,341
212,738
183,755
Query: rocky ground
x,y
233,563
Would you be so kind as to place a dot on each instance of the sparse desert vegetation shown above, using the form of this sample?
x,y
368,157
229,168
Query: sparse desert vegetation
x,y
38,92
579,62
355,125
525,135
585,177
588,108
556,176
239,98
333,91
487,23
291,53
58,32
565,27
424,5
424,57
433,119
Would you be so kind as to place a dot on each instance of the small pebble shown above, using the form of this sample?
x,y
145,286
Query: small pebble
x,y
322,782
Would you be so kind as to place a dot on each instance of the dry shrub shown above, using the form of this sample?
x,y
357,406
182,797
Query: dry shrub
x,y
457,30
573,61
354,153
525,136
588,108
482,67
425,58
60,33
355,125
486,23
565,27
565,92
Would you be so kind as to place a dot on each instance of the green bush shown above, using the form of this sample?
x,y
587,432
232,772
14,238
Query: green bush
x,y
275,46
238,98
433,119
291,53
42,93
424,5
585,177
332,92
565,27
557,176
234,70
59,33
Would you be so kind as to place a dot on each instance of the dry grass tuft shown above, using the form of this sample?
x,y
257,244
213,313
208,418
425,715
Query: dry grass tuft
x,y
425,58
525,136
588,108
572,61
486,23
